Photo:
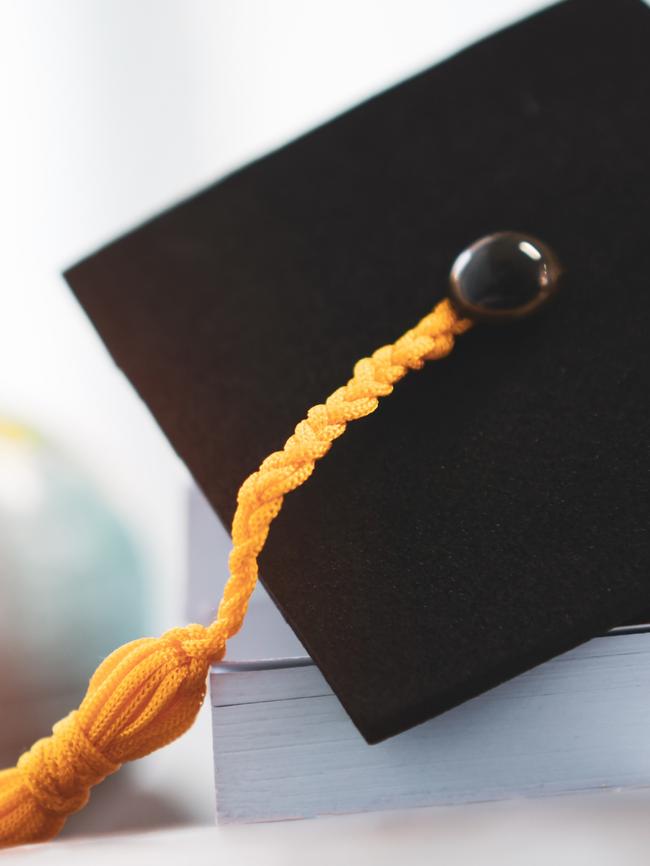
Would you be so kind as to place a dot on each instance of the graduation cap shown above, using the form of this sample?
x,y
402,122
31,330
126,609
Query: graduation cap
x,y
492,513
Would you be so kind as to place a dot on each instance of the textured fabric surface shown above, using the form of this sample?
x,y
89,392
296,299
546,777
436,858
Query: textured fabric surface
x,y
493,512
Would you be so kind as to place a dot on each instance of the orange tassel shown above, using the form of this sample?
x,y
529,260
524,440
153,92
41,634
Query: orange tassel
x,y
141,697
148,692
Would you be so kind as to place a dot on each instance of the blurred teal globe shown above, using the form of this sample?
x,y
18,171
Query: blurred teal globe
x,y
72,585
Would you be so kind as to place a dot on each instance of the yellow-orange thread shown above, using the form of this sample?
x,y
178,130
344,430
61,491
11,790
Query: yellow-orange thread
x,y
148,692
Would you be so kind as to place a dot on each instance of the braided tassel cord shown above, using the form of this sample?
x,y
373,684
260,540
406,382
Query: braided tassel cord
x,y
148,692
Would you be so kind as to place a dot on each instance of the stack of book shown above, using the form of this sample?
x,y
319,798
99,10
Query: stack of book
x,y
284,746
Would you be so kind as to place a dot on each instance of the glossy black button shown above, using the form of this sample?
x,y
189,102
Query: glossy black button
x,y
505,275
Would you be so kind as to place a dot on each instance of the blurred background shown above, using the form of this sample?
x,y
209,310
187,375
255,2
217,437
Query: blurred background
x,y
112,110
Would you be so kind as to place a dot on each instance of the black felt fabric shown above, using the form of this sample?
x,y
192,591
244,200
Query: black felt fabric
x,y
493,511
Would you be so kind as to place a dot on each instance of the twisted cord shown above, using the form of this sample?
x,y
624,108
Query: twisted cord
x,y
148,692
261,495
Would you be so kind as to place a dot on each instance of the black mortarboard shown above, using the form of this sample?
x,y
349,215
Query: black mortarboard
x,y
492,513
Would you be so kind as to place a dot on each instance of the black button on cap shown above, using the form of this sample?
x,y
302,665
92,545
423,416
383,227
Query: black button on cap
x,y
502,276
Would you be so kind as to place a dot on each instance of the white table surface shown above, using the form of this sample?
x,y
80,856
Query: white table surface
x,y
161,812
112,110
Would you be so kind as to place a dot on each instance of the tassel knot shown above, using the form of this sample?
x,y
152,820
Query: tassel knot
x,y
60,770
144,695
